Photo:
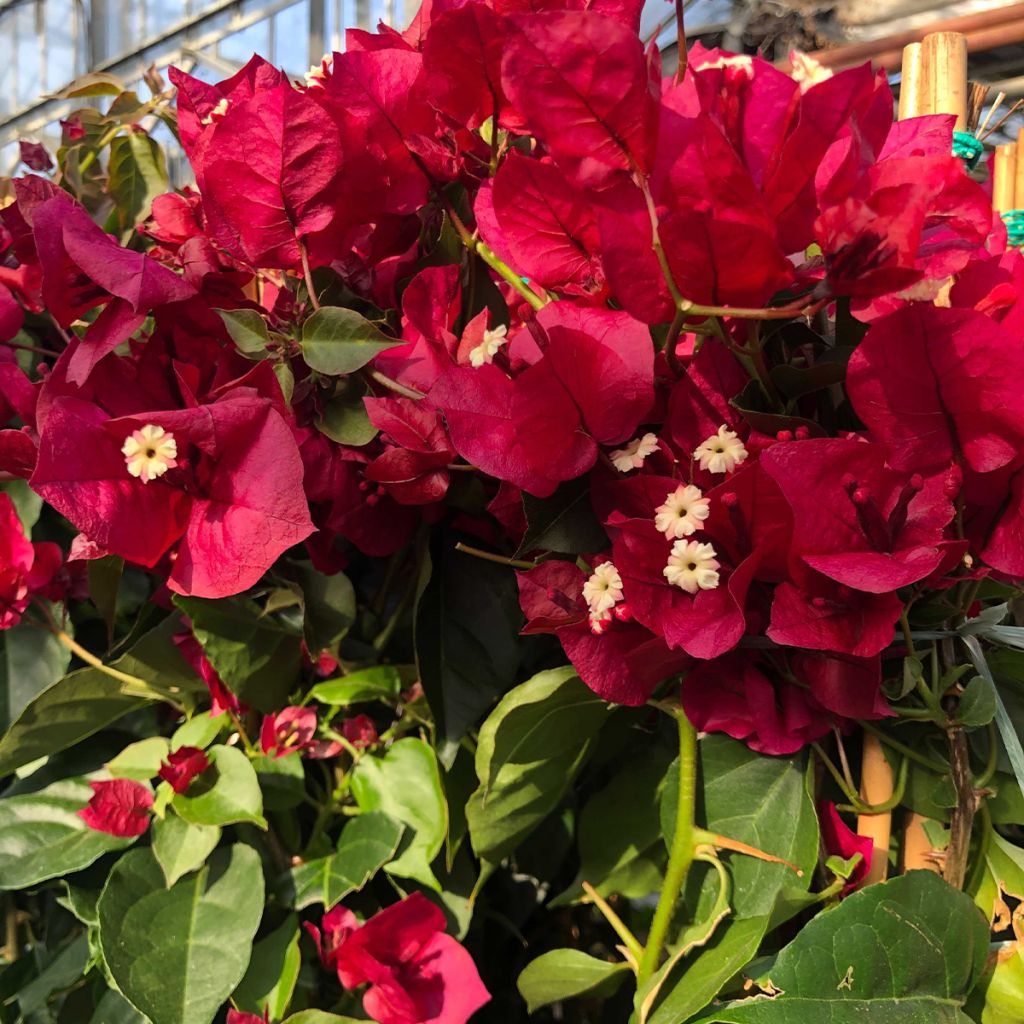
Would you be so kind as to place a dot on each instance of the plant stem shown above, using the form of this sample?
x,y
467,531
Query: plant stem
x,y
629,940
921,759
392,385
242,734
681,852
488,556
307,274
961,820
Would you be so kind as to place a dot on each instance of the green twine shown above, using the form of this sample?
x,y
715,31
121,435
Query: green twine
x,y
968,148
1014,221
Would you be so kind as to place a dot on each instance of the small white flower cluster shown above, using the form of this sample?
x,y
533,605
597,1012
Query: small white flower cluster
x,y
602,592
692,566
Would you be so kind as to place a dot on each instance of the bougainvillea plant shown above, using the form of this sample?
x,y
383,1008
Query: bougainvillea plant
x,y
522,534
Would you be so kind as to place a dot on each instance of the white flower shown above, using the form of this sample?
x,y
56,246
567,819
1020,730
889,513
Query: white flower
x,y
319,73
217,113
603,590
150,452
692,566
683,512
806,70
633,455
721,452
489,347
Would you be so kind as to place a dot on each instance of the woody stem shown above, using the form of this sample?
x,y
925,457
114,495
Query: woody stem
x,y
681,852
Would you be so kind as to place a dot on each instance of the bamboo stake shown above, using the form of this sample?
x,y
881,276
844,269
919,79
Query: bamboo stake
x,y
1018,192
911,95
917,851
1004,178
945,56
876,786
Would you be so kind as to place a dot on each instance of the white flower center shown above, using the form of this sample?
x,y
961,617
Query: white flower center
x,y
603,590
489,347
633,455
150,452
692,566
683,512
721,452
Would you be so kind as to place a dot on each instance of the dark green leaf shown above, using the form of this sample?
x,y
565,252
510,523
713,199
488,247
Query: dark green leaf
x,y
177,954
977,703
906,950
794,382
382,682
529,750
113,1008
136,175
330,607
405,783
468,647
337,340
181,847
319,1017
85,701
567,973
367,843
226,793
104,583
273,971
33,659
257,659
247,329
345,418
61,972
564,522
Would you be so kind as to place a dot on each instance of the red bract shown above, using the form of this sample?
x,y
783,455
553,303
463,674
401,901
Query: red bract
x,y
538,222
335,927
237,1017
119,807
417,974
841,841
83,268
412,469
182,766
622,662
359,731
26,569
221,698
940,386
232,504
288,732
858,521
585,86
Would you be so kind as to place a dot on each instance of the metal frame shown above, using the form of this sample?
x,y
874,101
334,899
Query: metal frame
x,y
188,37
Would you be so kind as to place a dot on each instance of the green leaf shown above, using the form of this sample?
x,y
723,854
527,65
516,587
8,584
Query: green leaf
x,y
906,950
96,83
273,971
977,705
199,731
529,750
619,833
33,659
104,584
758,800
136,175
381,682
247,329
565,974
113,1008
282,780
257,659
319,1017
367,843
141,760
226,793
42,836
176,954
405,783
337,340
181,847
61,972
345,418
87,700
563,522
330,607
468,647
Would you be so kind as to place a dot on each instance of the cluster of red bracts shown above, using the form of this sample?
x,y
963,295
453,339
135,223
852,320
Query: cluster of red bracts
x,y
179,454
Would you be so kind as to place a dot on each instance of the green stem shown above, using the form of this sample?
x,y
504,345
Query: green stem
x,y
489,556
926,762
681,853
629,940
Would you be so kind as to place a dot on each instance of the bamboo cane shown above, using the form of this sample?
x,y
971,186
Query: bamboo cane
x,y
1004,178
876,786
911,96
944,55
917,850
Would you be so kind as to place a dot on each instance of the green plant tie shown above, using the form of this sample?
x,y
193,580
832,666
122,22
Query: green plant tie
x,y
968,148
1014,221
